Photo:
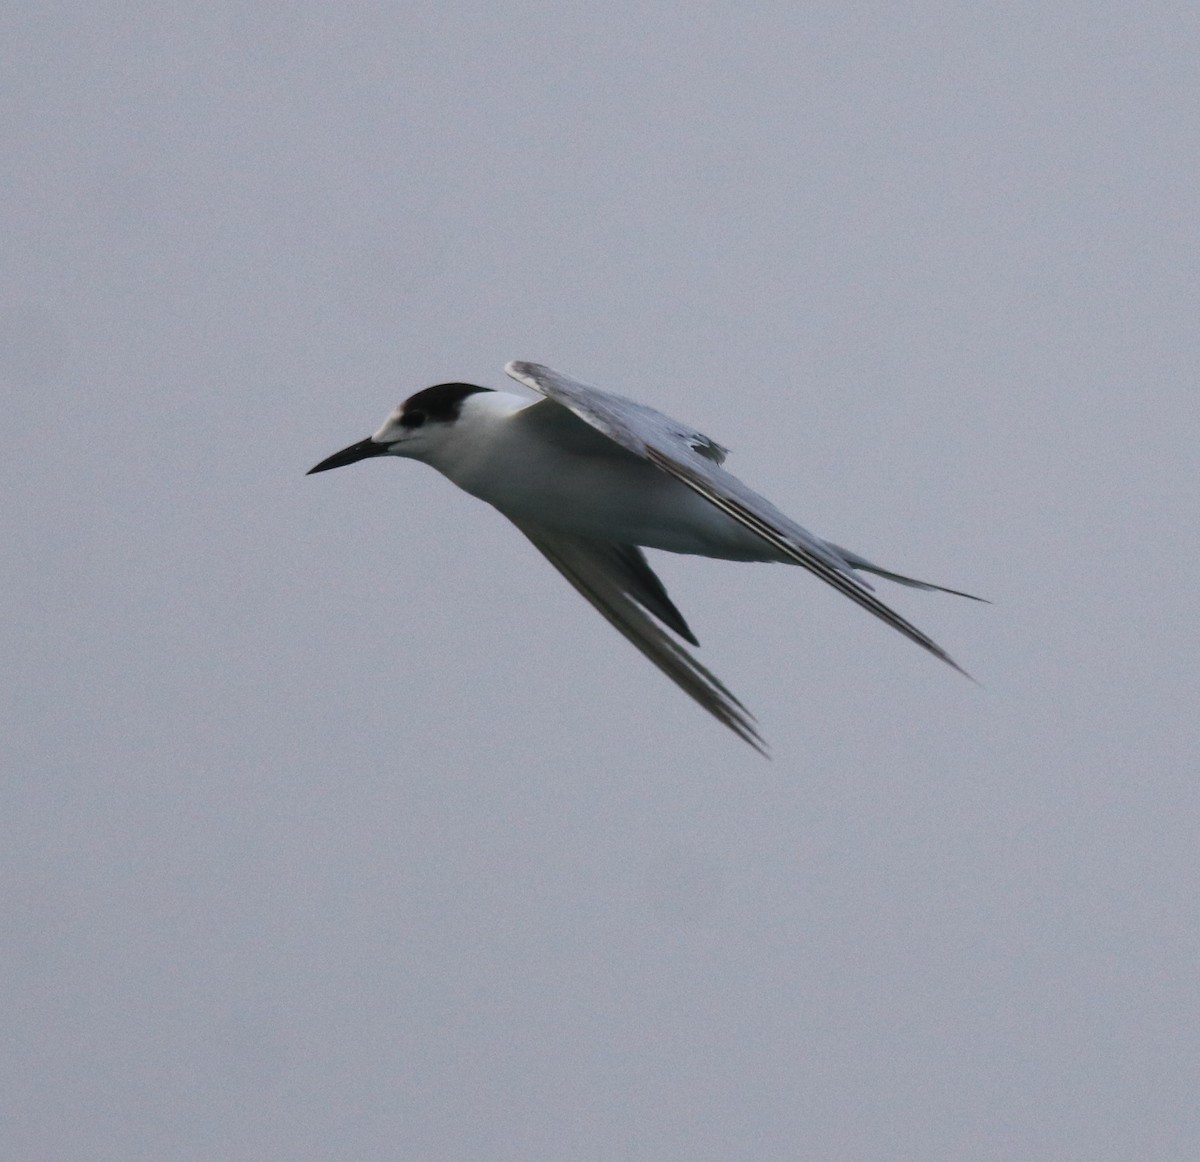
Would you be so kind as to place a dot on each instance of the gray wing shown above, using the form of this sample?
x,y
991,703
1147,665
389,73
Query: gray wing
x,y
621,586
694,460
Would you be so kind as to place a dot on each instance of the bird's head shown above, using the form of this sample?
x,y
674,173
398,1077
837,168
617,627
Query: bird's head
x,y
416,428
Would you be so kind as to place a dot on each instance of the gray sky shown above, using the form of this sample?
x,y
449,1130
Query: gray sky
x,y
335,825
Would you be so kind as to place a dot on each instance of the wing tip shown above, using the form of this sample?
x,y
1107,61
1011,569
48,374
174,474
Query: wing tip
x,y
523,371
739,720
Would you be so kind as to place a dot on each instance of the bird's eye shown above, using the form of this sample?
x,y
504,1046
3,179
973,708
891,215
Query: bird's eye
x,y
412,419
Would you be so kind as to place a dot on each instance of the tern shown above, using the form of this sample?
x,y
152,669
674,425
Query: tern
x,y
592,479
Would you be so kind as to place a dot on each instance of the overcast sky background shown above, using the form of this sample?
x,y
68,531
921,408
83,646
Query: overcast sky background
x,y
335,825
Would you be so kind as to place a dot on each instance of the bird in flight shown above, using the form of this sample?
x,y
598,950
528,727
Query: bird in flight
x,y
592,478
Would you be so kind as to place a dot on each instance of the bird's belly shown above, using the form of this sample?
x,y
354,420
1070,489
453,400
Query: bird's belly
x,y
623,500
